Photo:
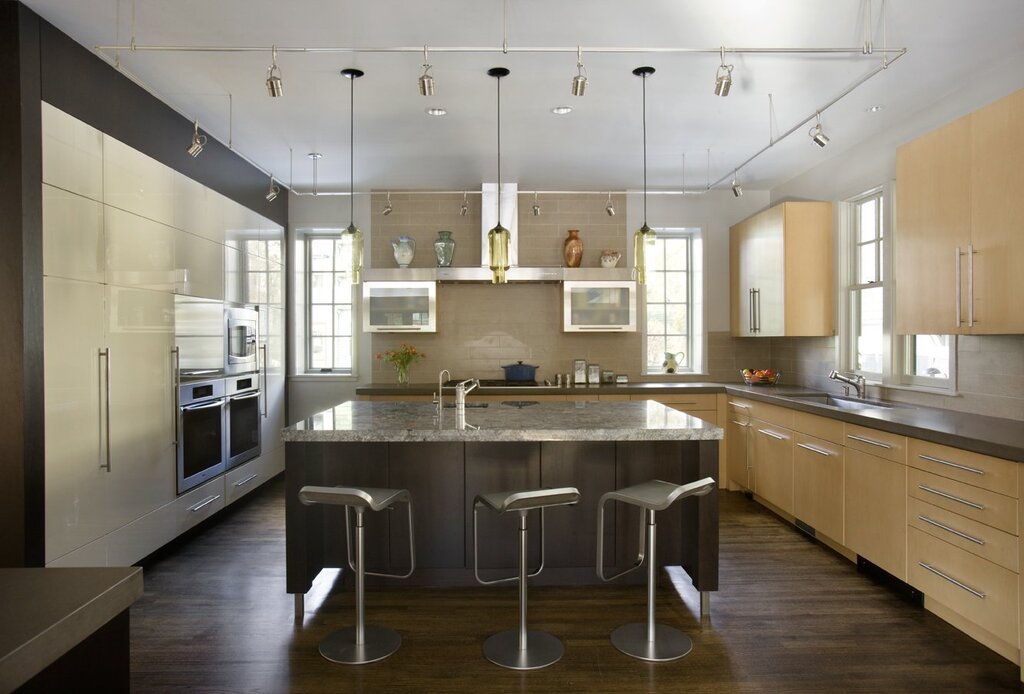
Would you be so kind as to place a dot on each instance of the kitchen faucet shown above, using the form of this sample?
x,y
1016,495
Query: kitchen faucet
x,y
857,381
460,393
440,391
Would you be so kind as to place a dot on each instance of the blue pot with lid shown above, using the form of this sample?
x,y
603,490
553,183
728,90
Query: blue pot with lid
x,y
520,372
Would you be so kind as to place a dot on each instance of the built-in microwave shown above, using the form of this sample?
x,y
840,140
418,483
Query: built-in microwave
x,y
241,330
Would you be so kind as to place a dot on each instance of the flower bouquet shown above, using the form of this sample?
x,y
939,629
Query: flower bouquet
x,y
402,358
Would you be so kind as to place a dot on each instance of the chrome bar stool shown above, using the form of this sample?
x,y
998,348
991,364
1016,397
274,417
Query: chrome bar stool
x,y
521,649
362,643
650,641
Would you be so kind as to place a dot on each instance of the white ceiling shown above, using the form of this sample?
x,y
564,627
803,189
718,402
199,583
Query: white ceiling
x,y
597,146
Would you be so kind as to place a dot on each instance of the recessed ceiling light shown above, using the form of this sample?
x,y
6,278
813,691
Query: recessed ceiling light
x,y
561,110
435,111
875,109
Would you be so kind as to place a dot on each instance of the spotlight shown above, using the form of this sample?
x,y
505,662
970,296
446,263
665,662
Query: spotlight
x,y
536,206
723,77
464,210
426,82
387,206
610,208
737,189
818,135
579,82
275,87
198,141
272,192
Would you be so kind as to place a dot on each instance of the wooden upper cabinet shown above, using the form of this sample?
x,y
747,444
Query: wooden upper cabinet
x,y
958,213
780,263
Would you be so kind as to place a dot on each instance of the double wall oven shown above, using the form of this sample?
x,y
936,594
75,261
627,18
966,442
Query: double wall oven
x,y
219,415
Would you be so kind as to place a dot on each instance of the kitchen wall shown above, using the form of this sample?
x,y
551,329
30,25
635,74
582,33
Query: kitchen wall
x,y
990,369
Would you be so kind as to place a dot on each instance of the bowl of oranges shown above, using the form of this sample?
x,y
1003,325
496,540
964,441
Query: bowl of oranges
x,y
760,377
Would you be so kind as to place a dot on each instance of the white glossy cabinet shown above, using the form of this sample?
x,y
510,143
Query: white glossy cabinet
x,y
73,238
137,183
598,306
72,154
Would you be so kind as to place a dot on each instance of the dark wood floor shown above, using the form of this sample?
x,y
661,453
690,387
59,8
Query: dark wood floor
x,y
791,616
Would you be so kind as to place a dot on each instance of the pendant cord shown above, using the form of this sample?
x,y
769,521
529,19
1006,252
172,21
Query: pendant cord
x,y
351,151
499,149
644,100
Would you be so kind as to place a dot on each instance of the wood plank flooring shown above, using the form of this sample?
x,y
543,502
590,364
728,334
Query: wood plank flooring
x,y
791,616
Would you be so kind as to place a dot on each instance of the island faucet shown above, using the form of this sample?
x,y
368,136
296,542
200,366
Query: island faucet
x,y
440,389
460,393
857,381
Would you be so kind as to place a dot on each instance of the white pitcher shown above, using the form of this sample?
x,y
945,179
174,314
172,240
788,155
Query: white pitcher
x,y
405,249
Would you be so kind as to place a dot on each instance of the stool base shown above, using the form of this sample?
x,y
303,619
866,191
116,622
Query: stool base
x,y
379,643
542,649
668,644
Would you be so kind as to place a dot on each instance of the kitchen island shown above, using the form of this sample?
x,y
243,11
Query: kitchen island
x,y
445,461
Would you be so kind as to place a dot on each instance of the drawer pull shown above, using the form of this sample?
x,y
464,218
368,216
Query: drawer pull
x,y
736,404
247,480
204,502
777,437
944,495
940,461
927,567
739,424
814,449
868,441
948,529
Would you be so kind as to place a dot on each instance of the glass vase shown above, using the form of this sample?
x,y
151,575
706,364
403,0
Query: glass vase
x,y
444,248
403,374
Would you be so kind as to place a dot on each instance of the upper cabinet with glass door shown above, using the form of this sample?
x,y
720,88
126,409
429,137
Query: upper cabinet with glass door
x,y
780,269
959,219
390,307
599,306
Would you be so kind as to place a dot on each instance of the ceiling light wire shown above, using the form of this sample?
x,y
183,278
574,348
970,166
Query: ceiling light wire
x,y
353,231
644,235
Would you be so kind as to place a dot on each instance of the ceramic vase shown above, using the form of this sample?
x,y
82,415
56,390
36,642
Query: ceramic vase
x,y
405,250
444,248
572,249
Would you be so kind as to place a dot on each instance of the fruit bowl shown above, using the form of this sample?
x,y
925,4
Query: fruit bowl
x,y
760,377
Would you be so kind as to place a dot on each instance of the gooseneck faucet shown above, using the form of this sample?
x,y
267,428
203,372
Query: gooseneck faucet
x,y
440,389
857,381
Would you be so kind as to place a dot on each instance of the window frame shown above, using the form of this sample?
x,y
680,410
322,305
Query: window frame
x,y
695,293
305,236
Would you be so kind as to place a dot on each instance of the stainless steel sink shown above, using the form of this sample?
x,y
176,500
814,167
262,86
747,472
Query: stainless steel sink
x,y
843,403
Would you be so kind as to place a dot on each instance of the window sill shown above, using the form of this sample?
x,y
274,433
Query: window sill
x,y
928,390
323,377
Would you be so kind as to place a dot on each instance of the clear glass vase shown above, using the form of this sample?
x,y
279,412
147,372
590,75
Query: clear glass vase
x,y
403,374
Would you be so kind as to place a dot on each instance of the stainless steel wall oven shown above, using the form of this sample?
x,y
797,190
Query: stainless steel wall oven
x,y
201,426
243,418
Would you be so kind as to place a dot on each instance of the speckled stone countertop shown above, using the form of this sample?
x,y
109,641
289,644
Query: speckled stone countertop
x,y
540,421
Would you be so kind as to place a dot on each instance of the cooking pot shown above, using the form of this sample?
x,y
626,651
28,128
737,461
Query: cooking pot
x,y
520,372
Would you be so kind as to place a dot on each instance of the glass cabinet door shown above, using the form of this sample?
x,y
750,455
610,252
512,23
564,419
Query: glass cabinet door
x,y
400,307
599,306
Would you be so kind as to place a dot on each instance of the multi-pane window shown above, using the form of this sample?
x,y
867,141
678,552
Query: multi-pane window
x,y
867,290
329,319
672,295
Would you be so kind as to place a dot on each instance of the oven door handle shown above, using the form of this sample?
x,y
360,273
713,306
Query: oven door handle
x,y
205,406
249,396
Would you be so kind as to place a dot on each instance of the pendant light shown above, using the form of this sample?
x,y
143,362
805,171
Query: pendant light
x,y
352,231
644,235
498,237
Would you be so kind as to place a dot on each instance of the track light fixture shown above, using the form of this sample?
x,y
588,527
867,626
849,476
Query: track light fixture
x,y
536,206
275,87
737,189
272,192
426,81
723,77
498,237
464,210
198,141
818,135
387,206
609,207
644,235
579,82
353,231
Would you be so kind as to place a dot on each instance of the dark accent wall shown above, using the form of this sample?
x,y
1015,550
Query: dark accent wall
x,y
43,64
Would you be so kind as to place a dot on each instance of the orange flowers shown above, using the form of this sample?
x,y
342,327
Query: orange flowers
x,y
401,357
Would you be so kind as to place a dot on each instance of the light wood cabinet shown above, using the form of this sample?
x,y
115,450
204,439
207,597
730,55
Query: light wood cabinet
x,y
875,510
781,274
737,436
818,485
958,224
773,464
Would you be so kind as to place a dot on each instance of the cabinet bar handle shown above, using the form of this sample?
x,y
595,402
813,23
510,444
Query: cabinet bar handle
x,y
105,355
814,449
868,441
944,495
398,328
955,582
741,424
739,405
266,396
247,480
956,267
204,502
176,385
778,437
940,461
757,310
602,328
948,529
970,285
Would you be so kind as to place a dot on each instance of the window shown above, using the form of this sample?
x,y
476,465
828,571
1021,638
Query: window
x,y
868,344
330,343
673,298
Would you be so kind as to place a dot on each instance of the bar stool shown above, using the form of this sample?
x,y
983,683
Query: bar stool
x,y
521,649
362,643
650,641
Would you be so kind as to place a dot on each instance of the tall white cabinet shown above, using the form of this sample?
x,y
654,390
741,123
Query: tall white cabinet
x,y
122,235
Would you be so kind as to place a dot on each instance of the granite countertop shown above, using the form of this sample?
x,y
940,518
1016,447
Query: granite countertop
x,y
47,612
543,421
995,436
